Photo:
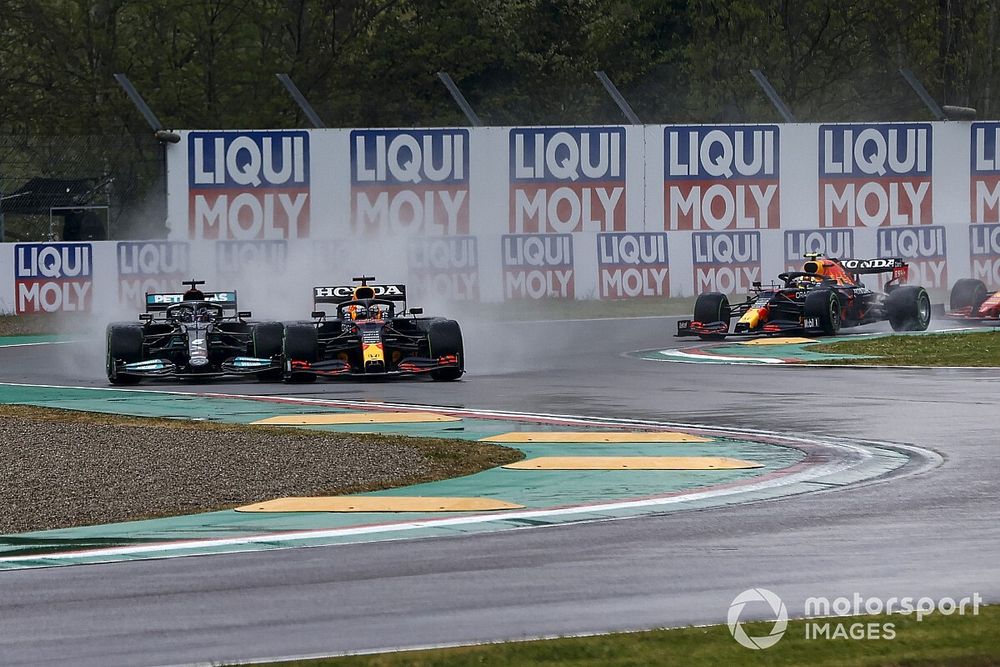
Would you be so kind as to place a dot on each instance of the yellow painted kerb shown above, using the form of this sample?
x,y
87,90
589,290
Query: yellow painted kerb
x,y
778,341
379,504
594,436
632,463
332,418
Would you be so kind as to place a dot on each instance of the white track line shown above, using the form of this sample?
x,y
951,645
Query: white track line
x,y
688,357
48,342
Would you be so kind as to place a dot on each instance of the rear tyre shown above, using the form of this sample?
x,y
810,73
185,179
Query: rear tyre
x,y
909,308
124,343
824,305
712,307
299,344
444,337
266,340
968,293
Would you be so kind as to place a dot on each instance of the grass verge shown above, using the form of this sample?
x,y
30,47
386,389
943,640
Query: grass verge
x,y
965,641
66,468
29,325
981,348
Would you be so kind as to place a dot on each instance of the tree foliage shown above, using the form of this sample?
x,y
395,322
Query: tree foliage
x,y
211,63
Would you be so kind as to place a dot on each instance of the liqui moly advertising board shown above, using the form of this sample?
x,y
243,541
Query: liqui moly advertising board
x,y
248,185
53,277
923,248
537,266
446,267
413,182
251,258
569,179
721,177
836,243
727,262
984,253
150,266
875,175
632,265
984,184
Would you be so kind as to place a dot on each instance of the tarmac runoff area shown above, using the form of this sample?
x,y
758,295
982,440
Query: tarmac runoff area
x,y
575,469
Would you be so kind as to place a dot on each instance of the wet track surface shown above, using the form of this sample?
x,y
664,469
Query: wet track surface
x,y
931,534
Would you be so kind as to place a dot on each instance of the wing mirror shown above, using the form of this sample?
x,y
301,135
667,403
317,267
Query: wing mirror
x,y
416,311
244,314
318,314
145,317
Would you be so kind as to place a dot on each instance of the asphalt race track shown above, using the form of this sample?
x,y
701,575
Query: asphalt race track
x,y
936,533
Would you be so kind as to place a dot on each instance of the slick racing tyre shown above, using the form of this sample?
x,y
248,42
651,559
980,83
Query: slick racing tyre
x,y
125,344
824,306
712,307
299,344
444,337
908,308
967,293
266,340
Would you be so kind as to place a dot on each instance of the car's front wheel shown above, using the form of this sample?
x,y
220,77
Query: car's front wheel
x,y
125,344
266,340
710,308
444,338
967,293
823,305
300,344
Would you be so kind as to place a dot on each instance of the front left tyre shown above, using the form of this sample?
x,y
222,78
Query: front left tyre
x,y
823,305
124,344
300,344
712,307
444,338
267,340
967,293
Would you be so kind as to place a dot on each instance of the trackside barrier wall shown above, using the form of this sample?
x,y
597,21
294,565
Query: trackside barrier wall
x,y
506,213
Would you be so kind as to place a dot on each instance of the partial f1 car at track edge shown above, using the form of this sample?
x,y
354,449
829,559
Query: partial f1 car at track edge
x,y
825,296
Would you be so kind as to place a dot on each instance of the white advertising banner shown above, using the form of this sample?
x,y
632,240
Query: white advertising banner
x,y
515,213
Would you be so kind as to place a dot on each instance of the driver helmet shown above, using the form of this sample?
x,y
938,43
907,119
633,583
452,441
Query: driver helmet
x,y
203,315
184,314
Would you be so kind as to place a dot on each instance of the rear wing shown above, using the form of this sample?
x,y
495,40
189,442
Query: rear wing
x,y
896,265
339,294
159,302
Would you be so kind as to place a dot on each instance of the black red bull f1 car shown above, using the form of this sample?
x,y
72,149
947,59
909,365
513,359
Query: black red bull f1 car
x,y
366,334
970,301
825,296
194,335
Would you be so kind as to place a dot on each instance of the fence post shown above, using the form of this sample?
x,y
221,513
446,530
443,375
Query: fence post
x,y
459,98
619,99
301,100
773,96
922,93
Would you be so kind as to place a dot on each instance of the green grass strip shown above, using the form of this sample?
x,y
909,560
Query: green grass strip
x,y
964,641
944,349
